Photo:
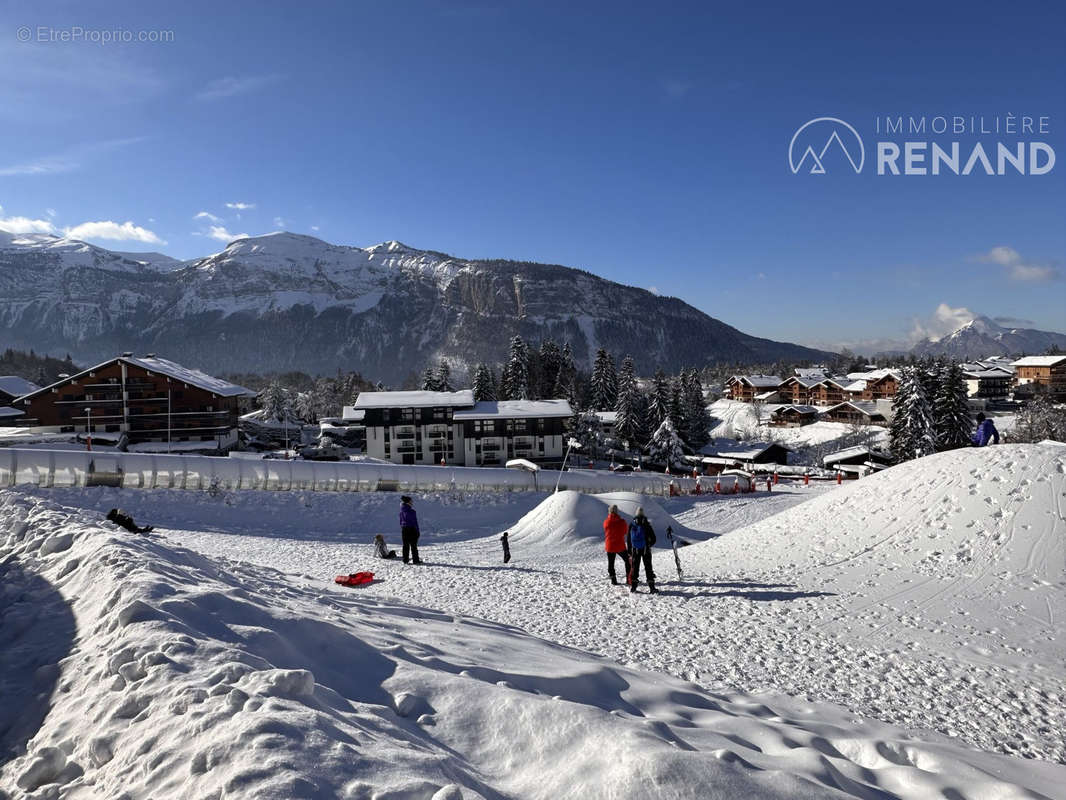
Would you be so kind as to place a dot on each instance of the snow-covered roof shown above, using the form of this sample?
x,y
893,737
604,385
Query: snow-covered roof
x,y
173,370
855,386
878,374
852,452
511,409
799,409
742,451
352,413
421,399
7,411
606,417
811,372
806,381
16,386
865,406
1039,361
758,381
987,372
193,377
766,395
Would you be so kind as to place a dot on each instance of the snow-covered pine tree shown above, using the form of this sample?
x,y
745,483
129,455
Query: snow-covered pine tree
x,y
483,384
912,433
659,400
429,380
566,379
273,401
677,402
665,446
697,421
304,407
629,422
604,382
515,379
444,377
951,410
550,362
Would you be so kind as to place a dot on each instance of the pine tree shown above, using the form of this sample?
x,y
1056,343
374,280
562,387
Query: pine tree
x,y
677,405
275,402
550,362
515,379
629,422
665,446
430,381
659,401
444,377
951,410
483,384
566,379
697,422
604,382
912,433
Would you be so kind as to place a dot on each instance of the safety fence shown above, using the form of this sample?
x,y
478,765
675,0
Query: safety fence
x,y
64,468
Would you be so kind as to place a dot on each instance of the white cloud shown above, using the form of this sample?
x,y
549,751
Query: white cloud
x,y
944,320
25,225
106,229
208,216
240,206
233,85
51,212
66,161
279,222
219,232
654,290
315,228
1019,269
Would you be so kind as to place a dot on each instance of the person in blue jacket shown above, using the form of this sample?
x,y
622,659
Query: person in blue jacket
x,y
640,538
409,530
986,430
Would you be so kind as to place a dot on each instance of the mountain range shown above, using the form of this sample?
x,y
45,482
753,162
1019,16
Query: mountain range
x,y
286,301
982,337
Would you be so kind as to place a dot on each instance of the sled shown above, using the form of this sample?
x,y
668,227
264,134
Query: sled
x,y
355,579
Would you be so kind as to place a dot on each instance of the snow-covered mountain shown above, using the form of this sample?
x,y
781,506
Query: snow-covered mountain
x,y
982,337
286,301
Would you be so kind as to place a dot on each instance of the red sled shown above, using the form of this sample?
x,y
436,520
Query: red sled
x,y
355,579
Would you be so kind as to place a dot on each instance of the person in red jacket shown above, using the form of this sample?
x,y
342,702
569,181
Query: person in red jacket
x,y
614,534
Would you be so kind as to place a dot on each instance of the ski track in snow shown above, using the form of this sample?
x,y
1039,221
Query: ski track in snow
x,y
892,628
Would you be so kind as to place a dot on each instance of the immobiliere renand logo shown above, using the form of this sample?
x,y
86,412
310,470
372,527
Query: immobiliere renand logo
x,y
923,145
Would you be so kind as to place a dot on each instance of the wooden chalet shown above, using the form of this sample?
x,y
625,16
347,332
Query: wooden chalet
x,y
793,416
745,388
880,385
1044,374
856,412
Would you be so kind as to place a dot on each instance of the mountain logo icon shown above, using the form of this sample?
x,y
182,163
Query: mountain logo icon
x,y
820,139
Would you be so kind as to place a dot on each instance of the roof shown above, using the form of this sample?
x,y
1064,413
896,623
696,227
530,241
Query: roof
x,y
852,452
193,377
766,395
806,381
162,366
352,413
799,409
742,450
423,399
880,374
7,411
606,417
865,406
1039,361
811,372
758,381
856,386
16,386
512,409
991,372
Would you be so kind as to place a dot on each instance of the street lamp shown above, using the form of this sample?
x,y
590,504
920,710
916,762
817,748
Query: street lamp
x,y
88,428
569,445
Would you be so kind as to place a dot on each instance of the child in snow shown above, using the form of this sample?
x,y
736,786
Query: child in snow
x,y
409,530
381,550
614,533
640,538
124,520
986,429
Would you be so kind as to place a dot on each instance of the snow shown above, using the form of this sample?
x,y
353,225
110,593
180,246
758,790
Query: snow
x,y
825,642
16,386
415,399
515,409
7,411
1039,361
193,377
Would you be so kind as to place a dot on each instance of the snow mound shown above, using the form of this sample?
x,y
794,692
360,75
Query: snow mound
x,y
195,678
568,519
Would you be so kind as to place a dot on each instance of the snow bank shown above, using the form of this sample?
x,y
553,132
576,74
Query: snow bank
x,y
571,518
957,557
191,678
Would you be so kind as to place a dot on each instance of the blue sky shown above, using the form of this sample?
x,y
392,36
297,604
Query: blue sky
x,y
647,144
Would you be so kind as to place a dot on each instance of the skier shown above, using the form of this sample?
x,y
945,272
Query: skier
x,y
986,429
614,535
381,550
409,530
124,520
640,539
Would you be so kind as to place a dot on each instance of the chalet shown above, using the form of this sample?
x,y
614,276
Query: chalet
x,y
429,427
12,387
987,383
856,412
797,388
1045,374
606,420
793,416
881,384
830,391
855,462
745,387
138,399
348,430
747,455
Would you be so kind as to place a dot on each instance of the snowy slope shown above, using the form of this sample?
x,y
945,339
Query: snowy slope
x,y
191,677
